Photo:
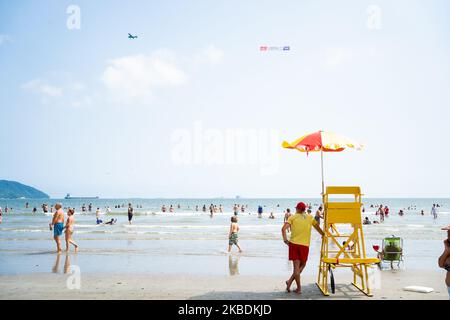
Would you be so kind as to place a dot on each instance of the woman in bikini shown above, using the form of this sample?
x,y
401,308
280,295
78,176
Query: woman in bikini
x,y
69,230
444,259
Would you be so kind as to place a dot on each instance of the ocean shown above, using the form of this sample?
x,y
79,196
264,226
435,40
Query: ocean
x,y
189,241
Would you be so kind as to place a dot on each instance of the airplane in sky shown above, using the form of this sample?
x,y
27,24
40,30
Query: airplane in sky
x,y
130,36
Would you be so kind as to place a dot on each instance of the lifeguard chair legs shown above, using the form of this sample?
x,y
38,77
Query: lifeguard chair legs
x,y
344,250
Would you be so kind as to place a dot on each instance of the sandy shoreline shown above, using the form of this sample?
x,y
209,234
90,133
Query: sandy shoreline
x,y
141,286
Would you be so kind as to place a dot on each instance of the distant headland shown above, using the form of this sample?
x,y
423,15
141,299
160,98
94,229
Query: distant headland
x,y
17,190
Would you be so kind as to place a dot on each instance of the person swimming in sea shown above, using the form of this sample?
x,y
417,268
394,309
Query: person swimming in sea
x,y
111,222
69,230
57,225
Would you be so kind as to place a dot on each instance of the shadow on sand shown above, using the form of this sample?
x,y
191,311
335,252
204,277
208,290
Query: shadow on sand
x,y
309,292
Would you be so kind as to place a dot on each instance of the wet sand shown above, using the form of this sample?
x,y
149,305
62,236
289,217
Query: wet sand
x,y
199,287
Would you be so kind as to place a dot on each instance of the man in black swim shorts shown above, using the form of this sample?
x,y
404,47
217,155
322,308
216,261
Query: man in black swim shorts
x,y
130,213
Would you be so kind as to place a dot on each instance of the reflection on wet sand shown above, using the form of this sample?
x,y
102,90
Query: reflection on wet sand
x,y
233,265
55,268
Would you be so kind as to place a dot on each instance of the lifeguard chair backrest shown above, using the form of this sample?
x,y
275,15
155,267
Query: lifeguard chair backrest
x,y
343,212
356,191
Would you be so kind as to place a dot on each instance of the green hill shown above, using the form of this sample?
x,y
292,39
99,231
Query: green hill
x,y
15,190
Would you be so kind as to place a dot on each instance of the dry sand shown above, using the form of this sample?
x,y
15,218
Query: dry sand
x,y
166,286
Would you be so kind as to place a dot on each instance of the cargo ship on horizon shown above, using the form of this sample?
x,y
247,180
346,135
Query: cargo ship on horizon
x,y
68,196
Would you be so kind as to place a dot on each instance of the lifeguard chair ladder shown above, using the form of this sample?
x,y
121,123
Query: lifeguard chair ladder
x,y
344,250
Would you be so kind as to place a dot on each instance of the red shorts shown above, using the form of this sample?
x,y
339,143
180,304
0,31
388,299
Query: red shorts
x,y
298,252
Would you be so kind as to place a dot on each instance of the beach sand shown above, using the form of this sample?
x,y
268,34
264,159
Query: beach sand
x,y
163,286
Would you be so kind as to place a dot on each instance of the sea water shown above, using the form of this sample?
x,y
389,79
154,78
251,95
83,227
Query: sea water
x,y
192,242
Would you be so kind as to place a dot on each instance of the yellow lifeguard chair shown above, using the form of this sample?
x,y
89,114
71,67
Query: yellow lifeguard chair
x,y
343,250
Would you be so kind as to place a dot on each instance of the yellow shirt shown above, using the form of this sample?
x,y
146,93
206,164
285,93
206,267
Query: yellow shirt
x,y
301,224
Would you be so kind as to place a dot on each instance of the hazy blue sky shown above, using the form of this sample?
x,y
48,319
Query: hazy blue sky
x,y
91,112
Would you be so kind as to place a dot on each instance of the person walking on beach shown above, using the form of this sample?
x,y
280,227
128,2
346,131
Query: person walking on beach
x,y
444,259
130,213
57,225
300,224
433,211
69,230
233,234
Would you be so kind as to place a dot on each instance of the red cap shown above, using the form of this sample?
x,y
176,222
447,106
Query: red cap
x,y
301,206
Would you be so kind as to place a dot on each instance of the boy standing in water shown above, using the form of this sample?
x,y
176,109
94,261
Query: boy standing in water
x,y
233,234
57,225
69,230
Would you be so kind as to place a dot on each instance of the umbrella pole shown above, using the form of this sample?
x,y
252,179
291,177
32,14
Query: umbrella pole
x,y
321,164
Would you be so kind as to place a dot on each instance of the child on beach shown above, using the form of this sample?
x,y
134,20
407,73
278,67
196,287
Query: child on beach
x,y
69,230
233,234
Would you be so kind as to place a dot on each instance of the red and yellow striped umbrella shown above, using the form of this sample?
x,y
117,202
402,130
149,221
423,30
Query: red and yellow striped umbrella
x,y
323,142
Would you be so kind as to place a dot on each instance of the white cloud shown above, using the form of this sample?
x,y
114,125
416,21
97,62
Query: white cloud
x,y
135,77
4,38
40,86
82,101
213,54
68,92
128,79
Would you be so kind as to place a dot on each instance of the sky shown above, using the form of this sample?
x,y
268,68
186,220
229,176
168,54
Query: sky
x,y
194,108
